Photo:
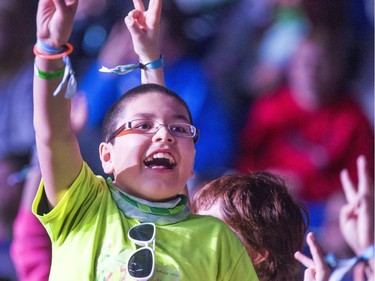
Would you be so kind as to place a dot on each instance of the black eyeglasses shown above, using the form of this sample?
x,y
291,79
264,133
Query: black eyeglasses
x,y
142,262
147,126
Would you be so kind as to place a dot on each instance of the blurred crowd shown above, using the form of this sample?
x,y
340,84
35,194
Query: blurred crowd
x,y
285,86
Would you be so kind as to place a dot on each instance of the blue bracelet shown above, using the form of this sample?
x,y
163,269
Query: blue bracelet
x,y
341,266
124,69
45,48
152,64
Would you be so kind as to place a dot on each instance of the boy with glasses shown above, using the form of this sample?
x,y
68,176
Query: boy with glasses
x,y
138,225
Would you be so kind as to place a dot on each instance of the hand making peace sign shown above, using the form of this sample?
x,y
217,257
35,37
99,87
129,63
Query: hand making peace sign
x,y
144,27
55,20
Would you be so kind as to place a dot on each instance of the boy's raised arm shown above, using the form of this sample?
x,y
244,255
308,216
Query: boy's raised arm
x,y
144,28
58,150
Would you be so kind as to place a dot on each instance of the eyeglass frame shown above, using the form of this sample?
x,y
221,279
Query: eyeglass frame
x,y
144,246
127,129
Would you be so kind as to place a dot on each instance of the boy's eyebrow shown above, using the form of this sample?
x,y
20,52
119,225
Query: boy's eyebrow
x,y
153,116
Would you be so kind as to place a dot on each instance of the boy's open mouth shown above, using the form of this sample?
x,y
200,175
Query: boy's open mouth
x,y
160,159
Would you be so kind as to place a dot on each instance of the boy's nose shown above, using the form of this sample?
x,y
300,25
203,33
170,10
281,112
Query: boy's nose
x,y
163,134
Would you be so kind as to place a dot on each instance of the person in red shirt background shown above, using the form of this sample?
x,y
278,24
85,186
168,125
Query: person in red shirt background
x,y
309,129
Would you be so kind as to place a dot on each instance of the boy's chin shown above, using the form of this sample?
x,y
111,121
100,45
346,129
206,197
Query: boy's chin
x,y
160,195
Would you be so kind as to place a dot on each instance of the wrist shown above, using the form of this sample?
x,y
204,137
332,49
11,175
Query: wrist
x,y
44,48
48,52
126,68
52,69
49,65
152,64
149,57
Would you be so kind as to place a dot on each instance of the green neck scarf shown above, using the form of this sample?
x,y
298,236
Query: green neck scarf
x,y
161,213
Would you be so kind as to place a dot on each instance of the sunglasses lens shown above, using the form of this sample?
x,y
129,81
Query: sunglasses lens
x,y
142,232
141,263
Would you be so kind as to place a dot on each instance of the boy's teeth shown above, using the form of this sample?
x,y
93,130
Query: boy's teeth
x,y
161,155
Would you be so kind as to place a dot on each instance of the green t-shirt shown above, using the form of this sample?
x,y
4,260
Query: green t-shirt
x,y
89,240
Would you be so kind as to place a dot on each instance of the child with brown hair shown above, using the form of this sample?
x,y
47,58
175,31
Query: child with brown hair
x,y
268,221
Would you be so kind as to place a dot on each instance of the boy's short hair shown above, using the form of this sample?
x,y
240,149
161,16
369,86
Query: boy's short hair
x,y
259,209
112,117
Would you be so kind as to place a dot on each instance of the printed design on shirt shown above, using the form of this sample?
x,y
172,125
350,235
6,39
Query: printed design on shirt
x,y
114,267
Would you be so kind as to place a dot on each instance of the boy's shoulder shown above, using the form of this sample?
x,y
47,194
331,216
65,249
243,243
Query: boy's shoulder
x,y
199,218
208,223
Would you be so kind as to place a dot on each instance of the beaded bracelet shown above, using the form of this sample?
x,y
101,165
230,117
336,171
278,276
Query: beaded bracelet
x,y
67,50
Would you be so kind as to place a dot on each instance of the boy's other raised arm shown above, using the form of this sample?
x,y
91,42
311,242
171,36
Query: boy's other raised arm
x,y
58,150
144,28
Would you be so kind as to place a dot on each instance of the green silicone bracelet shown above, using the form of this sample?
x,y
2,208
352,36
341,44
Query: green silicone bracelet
x,y
49,75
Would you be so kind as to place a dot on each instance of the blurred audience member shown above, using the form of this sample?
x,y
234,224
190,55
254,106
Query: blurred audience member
x,y
356,17
31,247
357,227
309,129
16,128
232,51
277,45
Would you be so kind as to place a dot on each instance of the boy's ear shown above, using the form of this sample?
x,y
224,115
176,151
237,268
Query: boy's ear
x,y
105,153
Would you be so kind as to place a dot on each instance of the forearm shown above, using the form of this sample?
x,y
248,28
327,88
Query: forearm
x,y
153,76
58,150
51,113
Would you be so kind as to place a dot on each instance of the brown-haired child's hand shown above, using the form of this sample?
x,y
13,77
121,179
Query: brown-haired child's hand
x,y
317,269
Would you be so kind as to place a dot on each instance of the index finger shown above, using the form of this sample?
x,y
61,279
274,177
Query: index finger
x,y
347,186
305,260
363,177
138,5
316,252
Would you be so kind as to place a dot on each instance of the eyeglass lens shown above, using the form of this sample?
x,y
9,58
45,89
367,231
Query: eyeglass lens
x,y
142,232
140,264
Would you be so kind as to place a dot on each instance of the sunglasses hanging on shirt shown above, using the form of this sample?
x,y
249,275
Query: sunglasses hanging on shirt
x,y
142,262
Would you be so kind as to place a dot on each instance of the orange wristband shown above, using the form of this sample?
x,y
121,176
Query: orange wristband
x,y
68,50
